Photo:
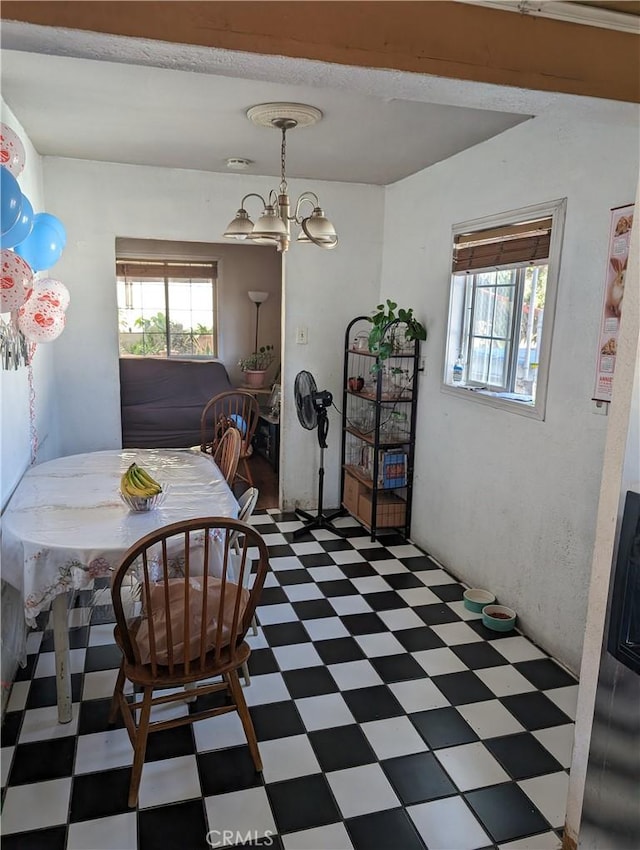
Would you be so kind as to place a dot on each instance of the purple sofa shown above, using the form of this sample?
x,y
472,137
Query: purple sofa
x,y
161,400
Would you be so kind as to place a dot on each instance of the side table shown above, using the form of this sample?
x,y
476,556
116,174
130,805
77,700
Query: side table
x,y
266,440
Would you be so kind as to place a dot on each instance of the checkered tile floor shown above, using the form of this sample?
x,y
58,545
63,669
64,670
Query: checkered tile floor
x,y
387,717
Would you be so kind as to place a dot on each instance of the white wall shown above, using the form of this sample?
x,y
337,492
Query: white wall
x,y
324,289
15,422
604,682
503,501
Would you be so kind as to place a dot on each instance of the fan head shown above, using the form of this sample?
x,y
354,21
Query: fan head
x,y
305,390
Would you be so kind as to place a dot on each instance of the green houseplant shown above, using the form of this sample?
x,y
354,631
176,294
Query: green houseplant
x,y
259,361
255,365
383,342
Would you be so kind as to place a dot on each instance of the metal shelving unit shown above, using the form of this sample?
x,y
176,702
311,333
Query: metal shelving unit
x,y
378,429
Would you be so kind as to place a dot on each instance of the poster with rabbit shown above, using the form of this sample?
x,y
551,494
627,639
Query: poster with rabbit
x,y
618,253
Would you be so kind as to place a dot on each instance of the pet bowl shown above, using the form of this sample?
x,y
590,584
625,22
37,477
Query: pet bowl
x,y
475,599
498,617
140,504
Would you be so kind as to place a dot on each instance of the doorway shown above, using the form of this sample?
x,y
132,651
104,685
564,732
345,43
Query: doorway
x,y
159,324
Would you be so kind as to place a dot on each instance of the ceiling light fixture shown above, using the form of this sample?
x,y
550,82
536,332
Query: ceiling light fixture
x,y
238,163
274,225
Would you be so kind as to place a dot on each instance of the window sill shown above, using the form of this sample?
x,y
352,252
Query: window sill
x,y
496,400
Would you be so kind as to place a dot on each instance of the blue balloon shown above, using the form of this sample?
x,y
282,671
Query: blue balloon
x,y
56,223
42,248
10,200
21,229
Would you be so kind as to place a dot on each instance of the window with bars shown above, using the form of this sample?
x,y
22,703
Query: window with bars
x,y
502,300
167,308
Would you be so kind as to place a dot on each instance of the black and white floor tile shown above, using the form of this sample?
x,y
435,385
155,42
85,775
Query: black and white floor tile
x,y
387,716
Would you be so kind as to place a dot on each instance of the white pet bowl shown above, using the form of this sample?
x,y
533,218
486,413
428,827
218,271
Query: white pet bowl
x,y
475,599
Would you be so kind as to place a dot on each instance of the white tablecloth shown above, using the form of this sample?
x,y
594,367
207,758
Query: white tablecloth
x,y
66,524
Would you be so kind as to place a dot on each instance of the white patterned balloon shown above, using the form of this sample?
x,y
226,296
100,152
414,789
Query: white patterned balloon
x,y
52,292
40,322
12,154
15,281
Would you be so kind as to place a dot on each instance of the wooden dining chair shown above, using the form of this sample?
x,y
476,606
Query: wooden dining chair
x,y
227,454
246,505
185,626
232,408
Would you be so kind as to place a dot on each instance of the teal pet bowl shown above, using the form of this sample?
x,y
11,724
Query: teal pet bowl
x,y
498,617
476,599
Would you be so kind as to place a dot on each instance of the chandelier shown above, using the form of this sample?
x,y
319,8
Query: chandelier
x,y
274,225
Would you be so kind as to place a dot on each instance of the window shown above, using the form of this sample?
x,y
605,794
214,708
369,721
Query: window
x,y
504,277
167,308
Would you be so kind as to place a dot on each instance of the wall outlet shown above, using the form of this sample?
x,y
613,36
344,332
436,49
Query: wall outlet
x,y
302,336
601,407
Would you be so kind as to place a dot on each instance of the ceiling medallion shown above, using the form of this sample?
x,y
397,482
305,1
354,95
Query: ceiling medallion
x,y
274,225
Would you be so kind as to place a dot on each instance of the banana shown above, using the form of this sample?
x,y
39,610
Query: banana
x,y
133,483
149,481
141,484
140,488
151,489
123,482
127,485
131,486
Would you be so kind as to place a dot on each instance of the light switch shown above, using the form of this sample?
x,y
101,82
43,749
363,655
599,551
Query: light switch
x,y
301,336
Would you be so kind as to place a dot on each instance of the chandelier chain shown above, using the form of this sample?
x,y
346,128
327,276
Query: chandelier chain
x,y
274,225
283,158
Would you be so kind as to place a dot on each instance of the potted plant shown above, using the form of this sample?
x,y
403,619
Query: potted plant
x,y
255,365
385,341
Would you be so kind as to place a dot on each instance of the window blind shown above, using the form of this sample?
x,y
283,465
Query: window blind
x,y
516,244
152,269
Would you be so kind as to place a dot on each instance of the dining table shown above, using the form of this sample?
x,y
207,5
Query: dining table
x,y
66,528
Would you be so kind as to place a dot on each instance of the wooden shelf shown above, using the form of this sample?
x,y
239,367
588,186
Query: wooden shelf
x,y
388,399
358,475
369,438
380,529
389,509
359,518
366,353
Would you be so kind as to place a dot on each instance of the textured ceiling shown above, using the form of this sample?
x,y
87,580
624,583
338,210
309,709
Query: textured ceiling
x,y
122,112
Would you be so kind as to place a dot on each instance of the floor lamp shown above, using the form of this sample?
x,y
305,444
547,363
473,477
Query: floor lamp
x,y
257,298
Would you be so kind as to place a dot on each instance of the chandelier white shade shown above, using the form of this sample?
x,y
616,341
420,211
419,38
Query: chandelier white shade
x,y
273,227
318,229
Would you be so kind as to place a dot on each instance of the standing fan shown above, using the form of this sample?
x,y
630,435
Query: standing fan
x,y
311,405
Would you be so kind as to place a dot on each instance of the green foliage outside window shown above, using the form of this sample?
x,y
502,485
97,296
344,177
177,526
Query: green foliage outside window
x,y
151,338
